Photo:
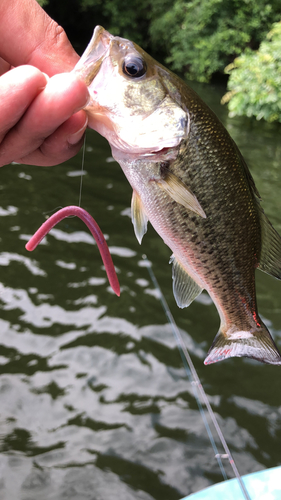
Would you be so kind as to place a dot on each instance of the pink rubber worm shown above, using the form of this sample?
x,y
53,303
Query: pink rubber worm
x,y
95,230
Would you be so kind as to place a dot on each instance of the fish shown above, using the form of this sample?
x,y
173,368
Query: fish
x,y
191,182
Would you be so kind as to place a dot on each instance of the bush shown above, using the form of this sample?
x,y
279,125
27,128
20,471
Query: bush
x,y
197,38
203,36
255,80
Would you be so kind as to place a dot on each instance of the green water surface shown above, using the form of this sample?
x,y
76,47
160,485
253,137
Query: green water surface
x,y
94,400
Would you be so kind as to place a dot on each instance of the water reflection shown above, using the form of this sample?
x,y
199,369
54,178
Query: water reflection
x,y
94,399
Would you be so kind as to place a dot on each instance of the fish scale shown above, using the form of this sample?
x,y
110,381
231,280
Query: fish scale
x,y
190,243
191,182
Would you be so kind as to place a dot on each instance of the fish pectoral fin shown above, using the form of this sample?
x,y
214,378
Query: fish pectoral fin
x,y
139,217
257,345
184,287
180,193
270,259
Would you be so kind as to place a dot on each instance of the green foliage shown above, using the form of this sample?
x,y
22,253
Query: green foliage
x,y
43,3
196,38
255,80
127,19
120,17
203,36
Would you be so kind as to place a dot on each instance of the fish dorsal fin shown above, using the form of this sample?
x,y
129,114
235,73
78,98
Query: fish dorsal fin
x,y
184,287
180,192
139,217
270,259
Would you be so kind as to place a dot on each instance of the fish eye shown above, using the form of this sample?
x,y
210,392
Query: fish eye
x,y
134,66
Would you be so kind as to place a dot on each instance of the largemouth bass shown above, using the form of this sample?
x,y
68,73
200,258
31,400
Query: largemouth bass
x,y
191,182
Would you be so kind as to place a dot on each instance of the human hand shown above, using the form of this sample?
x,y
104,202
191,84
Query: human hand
x,y
39,122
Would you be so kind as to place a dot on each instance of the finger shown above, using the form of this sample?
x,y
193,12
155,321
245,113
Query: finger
x,y
18,88
63,95
41,43
62,145
4,66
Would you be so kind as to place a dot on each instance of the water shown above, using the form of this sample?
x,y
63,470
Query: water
x,y
95,402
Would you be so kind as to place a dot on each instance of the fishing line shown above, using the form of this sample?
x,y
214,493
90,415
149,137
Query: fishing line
x,y
52,211
81,183
81,176
198,389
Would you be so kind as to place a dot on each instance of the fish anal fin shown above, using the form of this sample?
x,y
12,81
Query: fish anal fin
x,y
270,258
139,217
257,345
184,287
180,192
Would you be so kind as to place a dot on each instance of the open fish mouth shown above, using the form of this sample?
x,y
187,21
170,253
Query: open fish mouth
x,y
92,58
131,98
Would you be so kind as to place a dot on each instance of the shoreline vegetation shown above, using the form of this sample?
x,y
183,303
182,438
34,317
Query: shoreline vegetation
x,y
198,39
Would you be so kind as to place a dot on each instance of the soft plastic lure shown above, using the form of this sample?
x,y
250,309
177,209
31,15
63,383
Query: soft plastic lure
x,y
95,230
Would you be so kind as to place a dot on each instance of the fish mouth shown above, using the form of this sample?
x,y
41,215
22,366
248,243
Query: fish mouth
x,y
91,60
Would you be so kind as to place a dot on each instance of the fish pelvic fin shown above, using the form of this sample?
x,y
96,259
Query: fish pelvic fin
x,y
257,345
270,259
185,289
139,217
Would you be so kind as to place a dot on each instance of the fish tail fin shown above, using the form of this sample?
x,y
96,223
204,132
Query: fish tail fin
x,y
256,344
